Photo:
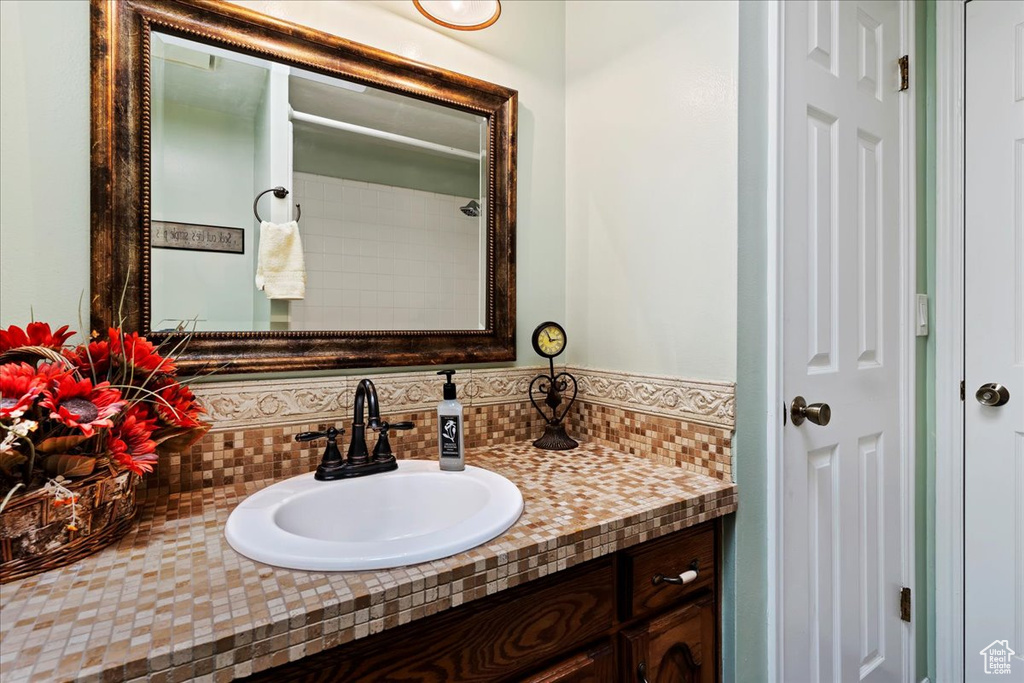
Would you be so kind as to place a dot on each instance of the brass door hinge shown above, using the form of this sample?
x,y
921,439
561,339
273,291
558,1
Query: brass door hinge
x,y
905,604
904,63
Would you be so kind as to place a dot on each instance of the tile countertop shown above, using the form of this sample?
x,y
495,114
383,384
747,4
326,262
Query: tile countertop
x,y
172,601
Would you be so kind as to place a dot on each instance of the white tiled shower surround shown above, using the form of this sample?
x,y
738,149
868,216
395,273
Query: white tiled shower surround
x,y
386,258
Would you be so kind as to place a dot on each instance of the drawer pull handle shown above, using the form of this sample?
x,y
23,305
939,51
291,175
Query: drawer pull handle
x,y
689,576
641,672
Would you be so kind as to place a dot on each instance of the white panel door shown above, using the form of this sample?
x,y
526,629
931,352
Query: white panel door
x,y
994,339
842,552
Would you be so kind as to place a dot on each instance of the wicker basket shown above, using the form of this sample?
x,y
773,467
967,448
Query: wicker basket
x,y
32,355
34,533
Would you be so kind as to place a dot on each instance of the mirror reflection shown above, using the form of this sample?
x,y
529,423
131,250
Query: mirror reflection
x,y
388,191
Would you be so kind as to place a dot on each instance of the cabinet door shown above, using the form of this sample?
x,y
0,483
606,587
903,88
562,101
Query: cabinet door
x,y
595,666
678,646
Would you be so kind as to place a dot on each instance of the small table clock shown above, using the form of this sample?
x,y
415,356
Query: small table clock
x,y
548,342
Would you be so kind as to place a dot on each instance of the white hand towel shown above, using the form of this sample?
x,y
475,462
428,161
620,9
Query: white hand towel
x,y
281,267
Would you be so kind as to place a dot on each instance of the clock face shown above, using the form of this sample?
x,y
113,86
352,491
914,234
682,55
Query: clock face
x,y
549,339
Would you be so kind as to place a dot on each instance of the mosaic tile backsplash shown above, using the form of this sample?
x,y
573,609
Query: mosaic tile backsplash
x,y
668,420
668,441
240,455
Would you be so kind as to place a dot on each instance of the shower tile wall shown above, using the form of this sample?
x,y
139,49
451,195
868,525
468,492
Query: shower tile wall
x,y
385,258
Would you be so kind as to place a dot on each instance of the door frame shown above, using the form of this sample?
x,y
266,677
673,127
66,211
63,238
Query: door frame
x,y
776,401
950,52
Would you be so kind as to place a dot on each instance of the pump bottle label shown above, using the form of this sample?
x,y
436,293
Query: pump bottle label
x,y
450,427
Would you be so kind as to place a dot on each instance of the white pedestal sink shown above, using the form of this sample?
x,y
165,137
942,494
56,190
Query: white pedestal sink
x,y
416,513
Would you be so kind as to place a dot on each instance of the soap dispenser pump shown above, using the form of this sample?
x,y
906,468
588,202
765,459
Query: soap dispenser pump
x,y
449,424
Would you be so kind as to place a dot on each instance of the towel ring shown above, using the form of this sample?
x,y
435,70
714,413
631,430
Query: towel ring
x,y
280,193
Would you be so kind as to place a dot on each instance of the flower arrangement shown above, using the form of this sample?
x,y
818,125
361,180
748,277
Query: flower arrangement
x,y
110,404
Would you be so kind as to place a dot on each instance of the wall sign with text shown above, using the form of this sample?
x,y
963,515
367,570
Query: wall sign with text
x,y
168,235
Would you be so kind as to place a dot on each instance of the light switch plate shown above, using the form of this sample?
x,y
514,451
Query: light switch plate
x,y
922,315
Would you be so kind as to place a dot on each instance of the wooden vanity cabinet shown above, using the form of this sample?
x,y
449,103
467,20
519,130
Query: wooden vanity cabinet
x,y
605,621
671,631
675,647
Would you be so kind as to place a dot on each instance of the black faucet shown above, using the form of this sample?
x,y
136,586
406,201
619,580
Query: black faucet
x,y
358,463
365,393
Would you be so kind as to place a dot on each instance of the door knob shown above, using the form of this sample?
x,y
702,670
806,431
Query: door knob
x,y
992,394
818,413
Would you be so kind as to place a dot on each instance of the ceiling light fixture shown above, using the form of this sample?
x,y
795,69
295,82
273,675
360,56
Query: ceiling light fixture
x,y
461,15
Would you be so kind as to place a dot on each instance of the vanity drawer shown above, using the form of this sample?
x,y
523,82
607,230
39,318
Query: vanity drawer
x,y
596,665
667,557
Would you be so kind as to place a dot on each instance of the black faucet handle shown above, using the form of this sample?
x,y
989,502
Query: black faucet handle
x,y
331,433
384,426
382,451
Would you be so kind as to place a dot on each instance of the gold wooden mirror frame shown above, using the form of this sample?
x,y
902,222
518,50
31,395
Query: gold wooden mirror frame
x,y
121,259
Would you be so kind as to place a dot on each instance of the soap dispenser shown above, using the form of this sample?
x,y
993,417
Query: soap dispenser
x,y
449,424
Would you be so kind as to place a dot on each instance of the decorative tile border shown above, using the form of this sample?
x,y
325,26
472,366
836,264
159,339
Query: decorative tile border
x,y
711,403
268,403
502,385
411,391
285,402
272,403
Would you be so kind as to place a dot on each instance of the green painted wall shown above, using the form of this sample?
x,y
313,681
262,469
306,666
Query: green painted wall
x,y
745,598
44,175
202,172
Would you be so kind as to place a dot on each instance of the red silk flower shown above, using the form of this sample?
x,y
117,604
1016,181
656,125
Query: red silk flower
x,y
130,443
137,352
79,404
34,334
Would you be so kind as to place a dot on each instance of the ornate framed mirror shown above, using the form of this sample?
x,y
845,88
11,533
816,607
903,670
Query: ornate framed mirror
x,y
214,126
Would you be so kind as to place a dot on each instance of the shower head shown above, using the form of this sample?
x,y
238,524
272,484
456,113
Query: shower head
x,y
471,209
